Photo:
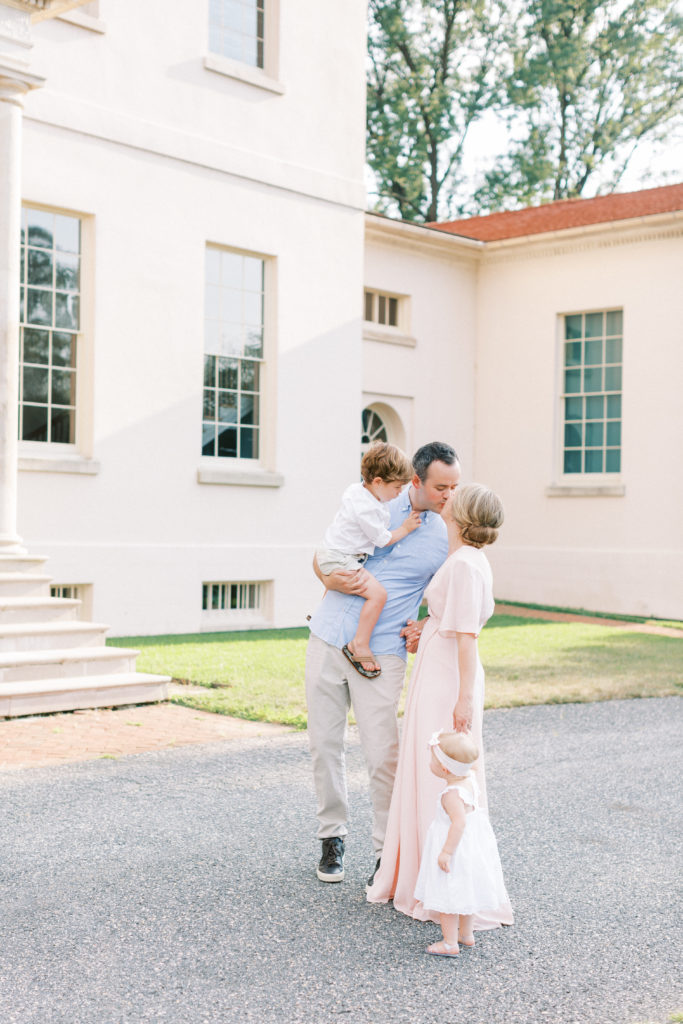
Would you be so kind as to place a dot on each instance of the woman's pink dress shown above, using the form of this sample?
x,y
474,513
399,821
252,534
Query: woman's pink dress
x,y
460,599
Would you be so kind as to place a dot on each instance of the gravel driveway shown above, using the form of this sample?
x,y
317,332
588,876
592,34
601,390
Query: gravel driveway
x,y
179,886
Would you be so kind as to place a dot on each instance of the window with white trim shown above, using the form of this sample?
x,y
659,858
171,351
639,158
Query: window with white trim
x,y
76,592
373,429
237,30
233,354
50,321
69,591
381,308
592,391
233,603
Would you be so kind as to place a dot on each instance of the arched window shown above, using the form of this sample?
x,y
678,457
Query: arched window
x,y
373,429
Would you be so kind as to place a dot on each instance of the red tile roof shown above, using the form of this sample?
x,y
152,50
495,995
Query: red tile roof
x,y
567,213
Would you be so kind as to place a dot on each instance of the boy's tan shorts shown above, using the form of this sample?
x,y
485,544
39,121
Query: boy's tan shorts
x,y
330,561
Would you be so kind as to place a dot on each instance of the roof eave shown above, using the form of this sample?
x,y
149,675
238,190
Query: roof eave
x,y
652,220
383,228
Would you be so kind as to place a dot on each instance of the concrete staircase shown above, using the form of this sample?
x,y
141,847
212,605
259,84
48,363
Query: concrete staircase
x,y
52,661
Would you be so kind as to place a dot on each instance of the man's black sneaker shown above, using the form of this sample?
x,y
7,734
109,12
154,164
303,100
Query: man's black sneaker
x,y
371,879
331,866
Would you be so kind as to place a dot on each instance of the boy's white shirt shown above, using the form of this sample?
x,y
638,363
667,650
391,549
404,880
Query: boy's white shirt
x,y
360,525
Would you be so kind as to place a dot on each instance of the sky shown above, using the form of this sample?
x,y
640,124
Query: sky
x,y
652,163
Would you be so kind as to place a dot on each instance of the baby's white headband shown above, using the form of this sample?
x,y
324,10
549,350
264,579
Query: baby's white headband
x,y
453,766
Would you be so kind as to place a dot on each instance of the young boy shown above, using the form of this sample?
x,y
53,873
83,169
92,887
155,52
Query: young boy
x,y
360,526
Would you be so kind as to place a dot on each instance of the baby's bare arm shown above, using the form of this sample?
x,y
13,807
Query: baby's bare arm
x,y
455,809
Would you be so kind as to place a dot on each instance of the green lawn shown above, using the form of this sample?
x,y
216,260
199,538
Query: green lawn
x,y
259,675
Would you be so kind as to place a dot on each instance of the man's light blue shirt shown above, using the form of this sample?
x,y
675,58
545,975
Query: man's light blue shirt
x,y
404,569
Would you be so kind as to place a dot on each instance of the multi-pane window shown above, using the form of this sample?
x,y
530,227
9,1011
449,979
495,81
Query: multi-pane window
x,y
372,428
591,398
381,309
234,597
233,354
236,30
66,590
76,591
49,325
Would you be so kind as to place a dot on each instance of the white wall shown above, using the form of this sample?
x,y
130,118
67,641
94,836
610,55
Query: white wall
x,y
431,385
144,80
142,529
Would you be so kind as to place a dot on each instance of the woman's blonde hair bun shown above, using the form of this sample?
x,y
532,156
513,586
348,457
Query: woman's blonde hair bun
x,y
479,514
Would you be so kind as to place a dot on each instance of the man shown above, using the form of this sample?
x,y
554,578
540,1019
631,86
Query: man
x,y
332,684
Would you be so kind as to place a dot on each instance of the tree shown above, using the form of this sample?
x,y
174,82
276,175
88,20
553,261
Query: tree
x,y
432,72
590,81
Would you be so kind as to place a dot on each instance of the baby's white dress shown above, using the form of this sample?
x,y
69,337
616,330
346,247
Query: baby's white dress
x,y
475,881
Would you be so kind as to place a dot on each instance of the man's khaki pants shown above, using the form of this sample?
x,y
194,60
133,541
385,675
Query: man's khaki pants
x,y
332,684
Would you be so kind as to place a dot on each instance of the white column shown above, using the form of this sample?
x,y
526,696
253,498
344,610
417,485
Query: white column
x,y
15,82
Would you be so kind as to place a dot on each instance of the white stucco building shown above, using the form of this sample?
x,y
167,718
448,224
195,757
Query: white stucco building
x,y
197,413
195,356
553,349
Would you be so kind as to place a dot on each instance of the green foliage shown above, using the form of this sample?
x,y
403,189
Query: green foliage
x,y
590,80
432,71
579,83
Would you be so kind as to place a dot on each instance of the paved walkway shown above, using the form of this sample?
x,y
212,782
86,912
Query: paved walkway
x,y
595,620
178,886
109,733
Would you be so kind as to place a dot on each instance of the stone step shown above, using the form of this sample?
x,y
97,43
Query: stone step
x,y
28,636
37,609
24,584
37,697
22,666
15,562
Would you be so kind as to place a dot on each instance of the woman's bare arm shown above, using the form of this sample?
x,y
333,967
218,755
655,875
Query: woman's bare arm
x,y
467,669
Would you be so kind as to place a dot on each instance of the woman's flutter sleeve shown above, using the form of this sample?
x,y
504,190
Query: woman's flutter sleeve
x,y
464,600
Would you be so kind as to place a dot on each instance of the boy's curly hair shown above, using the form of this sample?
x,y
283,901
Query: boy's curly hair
x,y
387,462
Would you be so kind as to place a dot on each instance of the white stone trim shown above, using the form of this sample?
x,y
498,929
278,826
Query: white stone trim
x,y
84,20
383,229
578,490
239,478
59,464
387,335
243,73
74,114
593,236
54,9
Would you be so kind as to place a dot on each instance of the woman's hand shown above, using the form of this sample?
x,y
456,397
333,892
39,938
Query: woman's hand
x,y
462,714
412,631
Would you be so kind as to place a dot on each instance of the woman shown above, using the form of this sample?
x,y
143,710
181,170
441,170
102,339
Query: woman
x,y
447,685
